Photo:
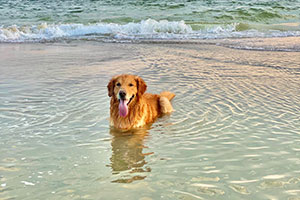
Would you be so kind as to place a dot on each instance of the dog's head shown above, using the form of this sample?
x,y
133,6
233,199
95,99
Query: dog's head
x,y
126,89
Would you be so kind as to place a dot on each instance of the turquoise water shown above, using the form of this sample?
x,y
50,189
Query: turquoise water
x,y
122,12
118,20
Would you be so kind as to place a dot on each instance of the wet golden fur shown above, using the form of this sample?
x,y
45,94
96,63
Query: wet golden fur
x,y
144,108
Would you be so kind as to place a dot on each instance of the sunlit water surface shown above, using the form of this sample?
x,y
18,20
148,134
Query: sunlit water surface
x,y
235,132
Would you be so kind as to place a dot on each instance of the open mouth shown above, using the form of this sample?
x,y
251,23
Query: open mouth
x,y
123,106
130,99
126,100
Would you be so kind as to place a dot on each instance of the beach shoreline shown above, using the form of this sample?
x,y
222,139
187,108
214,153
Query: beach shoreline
x,y
129,54
291,43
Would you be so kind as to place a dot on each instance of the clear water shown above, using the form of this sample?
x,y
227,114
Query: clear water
x,y
234,133
23,21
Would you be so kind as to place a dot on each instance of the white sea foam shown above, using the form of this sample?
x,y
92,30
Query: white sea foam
x,y
27,183
147,29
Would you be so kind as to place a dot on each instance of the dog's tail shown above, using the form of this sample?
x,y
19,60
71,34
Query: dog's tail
x,y
168,95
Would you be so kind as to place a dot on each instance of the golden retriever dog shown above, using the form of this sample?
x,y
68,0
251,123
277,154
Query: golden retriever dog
x,y
131,107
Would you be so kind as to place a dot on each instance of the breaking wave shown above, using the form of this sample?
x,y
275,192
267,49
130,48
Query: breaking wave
x,y
146,29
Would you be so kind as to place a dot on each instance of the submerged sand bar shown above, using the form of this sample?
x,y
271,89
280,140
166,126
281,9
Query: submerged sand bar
x,y
234,133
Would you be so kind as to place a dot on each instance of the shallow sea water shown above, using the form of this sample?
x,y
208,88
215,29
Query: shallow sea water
x,y
235,132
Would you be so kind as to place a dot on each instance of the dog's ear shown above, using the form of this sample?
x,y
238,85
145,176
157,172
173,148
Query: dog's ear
x,y
110,87
141,86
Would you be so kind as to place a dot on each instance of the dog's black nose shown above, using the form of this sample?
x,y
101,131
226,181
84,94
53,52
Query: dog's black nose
x,y
122,94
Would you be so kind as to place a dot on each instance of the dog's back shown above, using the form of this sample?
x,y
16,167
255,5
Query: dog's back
x,y
164,101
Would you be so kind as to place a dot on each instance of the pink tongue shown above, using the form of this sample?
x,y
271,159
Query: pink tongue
x,y
123,108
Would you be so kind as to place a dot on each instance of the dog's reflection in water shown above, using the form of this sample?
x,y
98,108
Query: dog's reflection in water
x,y
127,155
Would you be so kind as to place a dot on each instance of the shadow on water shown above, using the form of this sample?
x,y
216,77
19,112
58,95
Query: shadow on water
x,y
128,160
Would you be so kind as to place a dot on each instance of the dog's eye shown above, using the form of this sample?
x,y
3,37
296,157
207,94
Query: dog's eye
x,y
130,84
118,84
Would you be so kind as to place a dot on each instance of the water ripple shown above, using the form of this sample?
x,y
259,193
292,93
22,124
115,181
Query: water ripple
x,y
234,132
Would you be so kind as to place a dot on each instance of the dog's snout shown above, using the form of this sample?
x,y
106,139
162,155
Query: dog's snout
x,y
122,94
